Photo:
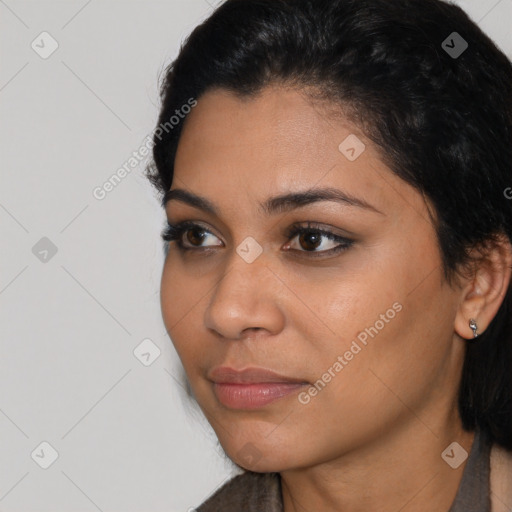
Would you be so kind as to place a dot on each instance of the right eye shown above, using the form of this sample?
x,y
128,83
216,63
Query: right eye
x,y
195,235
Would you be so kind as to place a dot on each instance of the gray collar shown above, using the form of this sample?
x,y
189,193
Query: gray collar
x,y
473,494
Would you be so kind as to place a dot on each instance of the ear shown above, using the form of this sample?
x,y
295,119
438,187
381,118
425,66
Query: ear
x,y
485,287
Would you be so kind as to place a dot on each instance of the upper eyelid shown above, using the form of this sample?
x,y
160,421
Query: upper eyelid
x,y
296,225
290,232
189,224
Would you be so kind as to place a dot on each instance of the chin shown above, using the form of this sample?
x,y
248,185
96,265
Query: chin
x,y
259,454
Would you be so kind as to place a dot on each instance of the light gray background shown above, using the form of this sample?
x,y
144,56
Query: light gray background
x,y
125,437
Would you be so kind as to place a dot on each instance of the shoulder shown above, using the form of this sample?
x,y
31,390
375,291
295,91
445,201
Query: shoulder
x,y
251,492
501,479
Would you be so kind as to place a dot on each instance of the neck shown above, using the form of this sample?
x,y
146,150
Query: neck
x,y
402,471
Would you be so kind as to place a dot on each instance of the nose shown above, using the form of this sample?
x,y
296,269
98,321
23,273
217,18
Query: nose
x,y
248,297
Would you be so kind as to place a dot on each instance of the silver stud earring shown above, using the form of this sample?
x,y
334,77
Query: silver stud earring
x,y
473,327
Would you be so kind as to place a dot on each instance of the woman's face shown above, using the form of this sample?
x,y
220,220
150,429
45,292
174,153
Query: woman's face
x,y
360,319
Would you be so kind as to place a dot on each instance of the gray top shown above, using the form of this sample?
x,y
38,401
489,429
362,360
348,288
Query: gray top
x,y
474,494
261,492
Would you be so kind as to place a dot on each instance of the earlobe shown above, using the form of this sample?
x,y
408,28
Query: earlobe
x,y
485,289
474,327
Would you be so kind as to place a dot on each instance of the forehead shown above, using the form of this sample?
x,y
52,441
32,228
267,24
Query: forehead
x,y
274,143
279,125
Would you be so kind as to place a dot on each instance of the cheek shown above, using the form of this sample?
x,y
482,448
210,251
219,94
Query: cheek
x,y
386,307
181,298
379,381
171,289
395,336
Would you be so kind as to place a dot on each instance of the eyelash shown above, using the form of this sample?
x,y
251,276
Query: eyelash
x,y
174,232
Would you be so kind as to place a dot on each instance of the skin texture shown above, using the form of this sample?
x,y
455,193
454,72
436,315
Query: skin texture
x,y
372,438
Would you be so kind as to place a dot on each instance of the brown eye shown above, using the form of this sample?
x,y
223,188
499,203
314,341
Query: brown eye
x,y
189,235
310,240
316,241
196,235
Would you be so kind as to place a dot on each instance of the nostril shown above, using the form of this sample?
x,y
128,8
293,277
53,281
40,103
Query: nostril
x,y
251,329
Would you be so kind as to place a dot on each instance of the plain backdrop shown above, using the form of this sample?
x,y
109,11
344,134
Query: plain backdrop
x,y
89,380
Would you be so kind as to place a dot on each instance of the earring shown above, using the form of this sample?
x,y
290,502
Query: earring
x,y
473,327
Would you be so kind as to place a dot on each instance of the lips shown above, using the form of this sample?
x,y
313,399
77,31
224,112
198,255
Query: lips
x,y
225,374
251,388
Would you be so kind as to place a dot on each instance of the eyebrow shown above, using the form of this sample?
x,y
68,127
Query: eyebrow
x,y
274,205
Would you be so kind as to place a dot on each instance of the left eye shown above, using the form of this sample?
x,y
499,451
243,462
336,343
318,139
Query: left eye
x,y
314,240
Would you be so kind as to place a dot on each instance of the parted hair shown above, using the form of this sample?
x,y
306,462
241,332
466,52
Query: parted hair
x,y
440,117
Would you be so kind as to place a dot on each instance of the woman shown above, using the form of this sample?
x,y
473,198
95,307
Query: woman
x,y
337,281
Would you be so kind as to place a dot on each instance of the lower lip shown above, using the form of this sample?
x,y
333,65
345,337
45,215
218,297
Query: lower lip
x,y
252,396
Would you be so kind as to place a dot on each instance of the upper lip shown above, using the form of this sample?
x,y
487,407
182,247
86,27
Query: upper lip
x,y
249,375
